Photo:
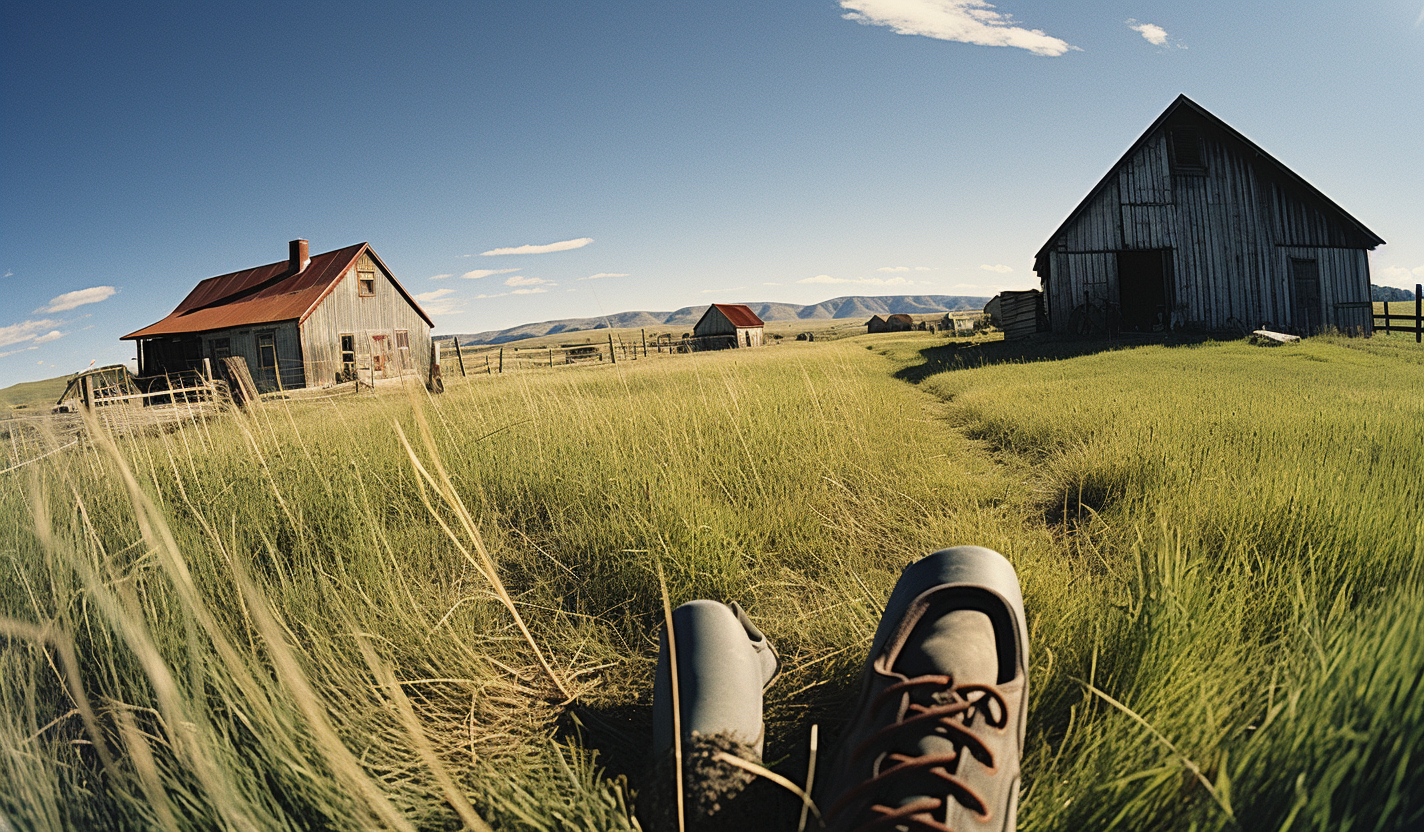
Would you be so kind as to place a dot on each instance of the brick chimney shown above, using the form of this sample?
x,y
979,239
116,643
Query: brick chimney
x,y
298,257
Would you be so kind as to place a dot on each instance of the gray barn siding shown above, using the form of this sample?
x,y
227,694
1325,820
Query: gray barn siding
x,y
1230,237
242,341
344,311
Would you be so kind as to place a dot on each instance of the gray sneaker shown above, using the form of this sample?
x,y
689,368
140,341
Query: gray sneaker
x,y
723,665
936,737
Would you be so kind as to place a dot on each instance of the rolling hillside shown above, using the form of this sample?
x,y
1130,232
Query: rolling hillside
x,y
843,307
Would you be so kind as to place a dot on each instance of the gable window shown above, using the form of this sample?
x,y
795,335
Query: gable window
x,y
1186,150
366,284
266,350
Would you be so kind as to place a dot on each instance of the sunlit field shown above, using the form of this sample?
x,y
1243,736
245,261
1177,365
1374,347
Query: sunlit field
x,y
413,611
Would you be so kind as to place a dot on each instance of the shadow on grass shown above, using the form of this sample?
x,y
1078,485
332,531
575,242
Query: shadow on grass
x,y
965,355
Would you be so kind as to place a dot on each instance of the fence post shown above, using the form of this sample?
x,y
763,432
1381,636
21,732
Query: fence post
x,y
1419,312
487,365
459,358
551,357
87,393
501,359
611,354
644,333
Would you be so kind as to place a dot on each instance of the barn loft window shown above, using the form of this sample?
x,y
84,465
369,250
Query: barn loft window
x,y
366,284
1187,156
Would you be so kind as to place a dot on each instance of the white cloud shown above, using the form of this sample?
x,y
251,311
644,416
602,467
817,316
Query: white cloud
x,y
9,273
893,269
440,276
24,331
443,306
535,290
20,350
964,21
52,335
604,274
479,273
524,280
861,281
1154,34
563,245
997,267
80,297
733,289
1399,276
923,269
425,297
771,284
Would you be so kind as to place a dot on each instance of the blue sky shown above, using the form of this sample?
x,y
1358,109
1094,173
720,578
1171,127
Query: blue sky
x,y
681,153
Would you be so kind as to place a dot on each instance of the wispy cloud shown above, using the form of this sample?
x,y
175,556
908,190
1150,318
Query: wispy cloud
x,y
733,289
997,267
9,353
1152,33
25,331
893,269
479,273
440,276
52,335
963,21
860,281
9,273
525,280
923,269
601,275
80,297
563,245
531,290
426,297
1400,275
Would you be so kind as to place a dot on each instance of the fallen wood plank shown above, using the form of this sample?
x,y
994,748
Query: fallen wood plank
x,y
1267,338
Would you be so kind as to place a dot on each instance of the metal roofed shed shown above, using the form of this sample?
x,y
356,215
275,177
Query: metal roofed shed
x,y
307,321
728,325
1196,227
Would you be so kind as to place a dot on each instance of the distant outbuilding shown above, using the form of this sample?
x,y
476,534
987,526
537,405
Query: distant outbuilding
x,y
307,321
899,322
875,324
726,325
1197,227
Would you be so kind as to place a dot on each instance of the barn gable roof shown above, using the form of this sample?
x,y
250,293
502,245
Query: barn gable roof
x,y
265,294
1181,105
739,314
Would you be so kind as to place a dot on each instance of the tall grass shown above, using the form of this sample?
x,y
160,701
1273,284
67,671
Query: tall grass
x,y
276,620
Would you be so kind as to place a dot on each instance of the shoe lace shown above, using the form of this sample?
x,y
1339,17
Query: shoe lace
x,y
953,708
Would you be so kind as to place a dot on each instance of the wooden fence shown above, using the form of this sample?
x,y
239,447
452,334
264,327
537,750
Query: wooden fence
x,y
1413,323
495,359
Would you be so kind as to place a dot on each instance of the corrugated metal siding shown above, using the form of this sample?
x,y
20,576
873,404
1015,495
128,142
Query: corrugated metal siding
x,y
1225,229
344,311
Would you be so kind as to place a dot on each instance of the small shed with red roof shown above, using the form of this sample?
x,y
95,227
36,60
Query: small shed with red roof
x,y
726,325
307,321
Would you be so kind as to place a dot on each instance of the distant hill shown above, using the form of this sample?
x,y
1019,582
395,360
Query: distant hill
x,y
845,307
33,395
1389,293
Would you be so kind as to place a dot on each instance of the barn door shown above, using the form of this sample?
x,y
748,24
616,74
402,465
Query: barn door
x,y
1142,290
1309,312
380,354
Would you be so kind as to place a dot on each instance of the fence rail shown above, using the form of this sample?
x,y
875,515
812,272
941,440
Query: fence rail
x,y
1415,322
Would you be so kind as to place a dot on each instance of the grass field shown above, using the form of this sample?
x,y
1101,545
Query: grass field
x,y
287,619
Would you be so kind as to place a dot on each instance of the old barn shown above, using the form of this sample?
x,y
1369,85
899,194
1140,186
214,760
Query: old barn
x,y
1197,227
729,325
307,321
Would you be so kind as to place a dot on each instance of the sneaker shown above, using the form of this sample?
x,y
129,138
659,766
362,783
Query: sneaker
x,y
935,740
724,663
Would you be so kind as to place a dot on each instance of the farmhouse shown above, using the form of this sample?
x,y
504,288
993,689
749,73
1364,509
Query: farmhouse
x,y
1197,227
729,325
307,321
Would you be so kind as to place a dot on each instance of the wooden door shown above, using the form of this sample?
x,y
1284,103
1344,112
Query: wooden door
x,y
1309,311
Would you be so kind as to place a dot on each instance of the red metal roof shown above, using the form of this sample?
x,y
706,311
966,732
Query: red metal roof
x,y
739,314
265,294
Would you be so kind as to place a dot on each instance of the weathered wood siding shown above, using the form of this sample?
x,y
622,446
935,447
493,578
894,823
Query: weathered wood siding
x,y
345,312
714,323
243,341
1228,233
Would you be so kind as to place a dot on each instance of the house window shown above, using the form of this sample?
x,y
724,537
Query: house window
x,y
219,348
403,340
267,351
1186,149
366,284
348,354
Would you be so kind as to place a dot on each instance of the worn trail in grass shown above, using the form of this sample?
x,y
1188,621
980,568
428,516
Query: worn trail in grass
x,y
1209,598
